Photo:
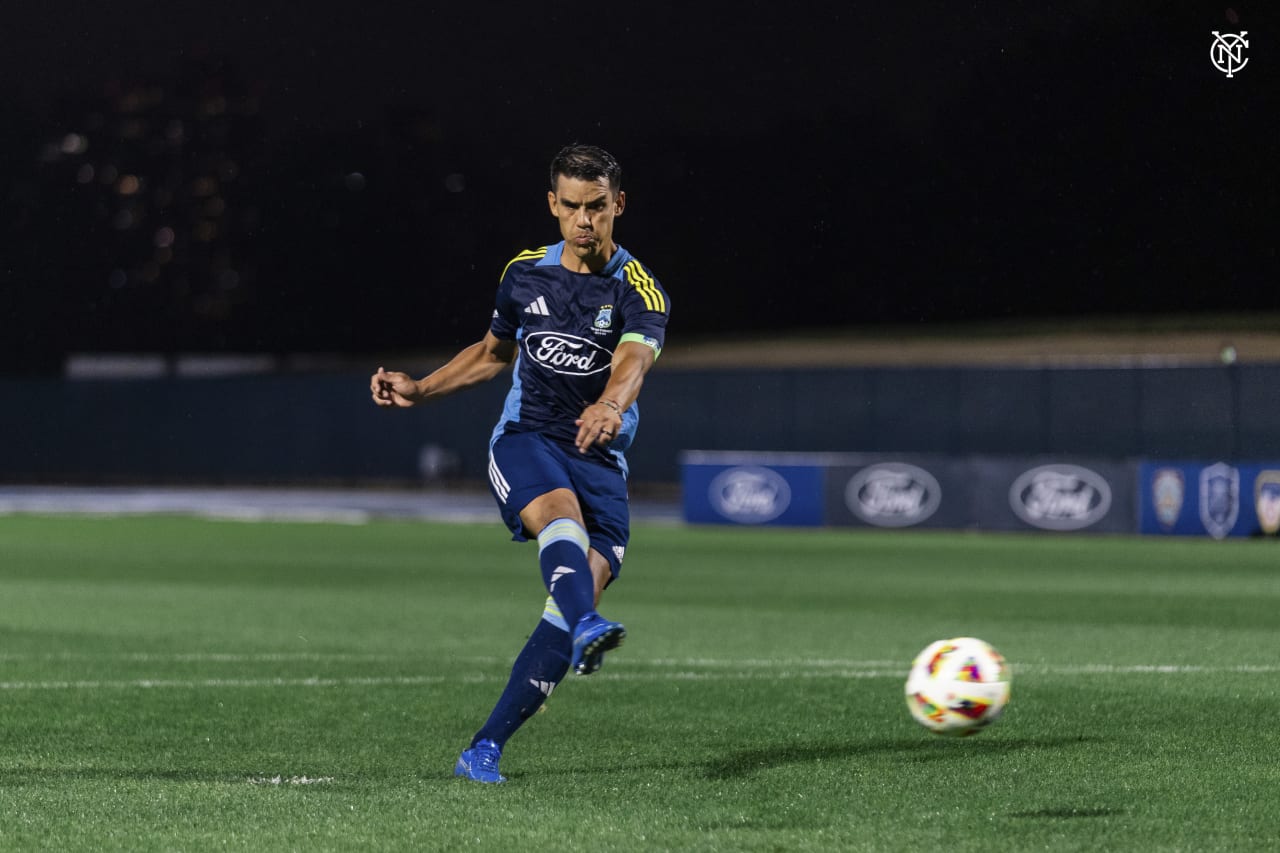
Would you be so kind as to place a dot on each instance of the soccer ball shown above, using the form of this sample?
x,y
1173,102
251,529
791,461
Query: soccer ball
x,y
958,686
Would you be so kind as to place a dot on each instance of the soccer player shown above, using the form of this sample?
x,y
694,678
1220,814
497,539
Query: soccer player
x,y
583,321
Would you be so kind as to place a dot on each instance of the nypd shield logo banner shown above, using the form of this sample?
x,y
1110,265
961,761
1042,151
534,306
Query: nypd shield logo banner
x,y
1219,499
1168,490
1266,501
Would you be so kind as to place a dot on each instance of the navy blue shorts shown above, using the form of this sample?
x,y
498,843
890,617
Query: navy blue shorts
x,y
526,465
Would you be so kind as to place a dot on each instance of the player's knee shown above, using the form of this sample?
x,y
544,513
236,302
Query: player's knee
x,y
544,509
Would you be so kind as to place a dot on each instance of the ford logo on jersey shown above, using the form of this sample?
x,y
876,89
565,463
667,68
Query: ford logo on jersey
x,y
567,353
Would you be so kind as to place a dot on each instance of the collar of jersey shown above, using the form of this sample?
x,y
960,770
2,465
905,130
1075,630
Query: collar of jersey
x,y
620,257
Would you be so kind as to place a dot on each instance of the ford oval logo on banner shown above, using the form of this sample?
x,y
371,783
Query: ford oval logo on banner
x,y
893,494
1060,497
750,495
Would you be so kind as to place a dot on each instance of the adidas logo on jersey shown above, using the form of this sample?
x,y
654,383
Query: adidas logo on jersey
x,y
539,307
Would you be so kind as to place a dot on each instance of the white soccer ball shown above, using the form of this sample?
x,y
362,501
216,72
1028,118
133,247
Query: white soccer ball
x,y
958,686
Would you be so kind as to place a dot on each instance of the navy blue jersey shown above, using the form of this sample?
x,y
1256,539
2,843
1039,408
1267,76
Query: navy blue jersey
x,y
567,325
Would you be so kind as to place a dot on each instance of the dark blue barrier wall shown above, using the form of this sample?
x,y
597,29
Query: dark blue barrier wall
x,y
324,428
898,491
257,428
1121,413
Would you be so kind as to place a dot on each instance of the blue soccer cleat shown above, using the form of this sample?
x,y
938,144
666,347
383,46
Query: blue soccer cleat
x,y
592,637
480,763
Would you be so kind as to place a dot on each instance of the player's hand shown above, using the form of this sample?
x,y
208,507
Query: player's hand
x,y
393,389
599,424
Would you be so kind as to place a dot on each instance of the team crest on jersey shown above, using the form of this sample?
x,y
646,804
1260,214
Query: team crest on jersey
x,y
604,318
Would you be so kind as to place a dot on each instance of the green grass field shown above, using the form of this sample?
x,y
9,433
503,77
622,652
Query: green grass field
x,y
179,684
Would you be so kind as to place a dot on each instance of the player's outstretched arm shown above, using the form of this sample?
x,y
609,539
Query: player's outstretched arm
x,y
601,421
478,363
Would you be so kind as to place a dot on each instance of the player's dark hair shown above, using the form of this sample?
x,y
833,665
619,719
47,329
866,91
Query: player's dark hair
x,y
586,163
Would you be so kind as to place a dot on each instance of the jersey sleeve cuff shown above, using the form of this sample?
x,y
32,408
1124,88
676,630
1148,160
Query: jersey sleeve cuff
x,y
650,342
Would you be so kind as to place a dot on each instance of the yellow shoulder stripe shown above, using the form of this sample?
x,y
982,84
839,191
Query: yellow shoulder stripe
x,y
526,255
645,286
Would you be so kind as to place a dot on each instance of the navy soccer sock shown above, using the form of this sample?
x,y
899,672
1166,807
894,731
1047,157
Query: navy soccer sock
x,y
562,553
539,667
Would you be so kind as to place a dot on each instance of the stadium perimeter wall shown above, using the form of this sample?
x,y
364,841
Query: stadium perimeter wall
x,y
283,428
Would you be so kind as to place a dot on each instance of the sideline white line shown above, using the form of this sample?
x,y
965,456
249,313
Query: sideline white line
x,y
354,506
162,683
776,663
678,675
339,657
200,657
1139,669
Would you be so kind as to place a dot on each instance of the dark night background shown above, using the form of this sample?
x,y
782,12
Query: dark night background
x,y
271,177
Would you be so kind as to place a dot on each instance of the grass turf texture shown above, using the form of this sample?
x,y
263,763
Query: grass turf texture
x,y
171,683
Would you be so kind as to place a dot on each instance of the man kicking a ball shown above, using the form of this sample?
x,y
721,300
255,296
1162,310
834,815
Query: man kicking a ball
x,y
583,321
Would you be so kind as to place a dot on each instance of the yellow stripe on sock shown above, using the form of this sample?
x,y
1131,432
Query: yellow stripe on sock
x,y
563,529
551,613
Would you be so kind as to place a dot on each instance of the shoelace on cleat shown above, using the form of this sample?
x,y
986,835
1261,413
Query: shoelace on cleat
x,y
485,759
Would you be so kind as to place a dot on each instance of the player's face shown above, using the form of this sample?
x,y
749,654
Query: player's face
x,y
586,210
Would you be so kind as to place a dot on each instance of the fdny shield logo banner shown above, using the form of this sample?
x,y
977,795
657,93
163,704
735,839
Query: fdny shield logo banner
x,y
1168,490
1266,501
1219,499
